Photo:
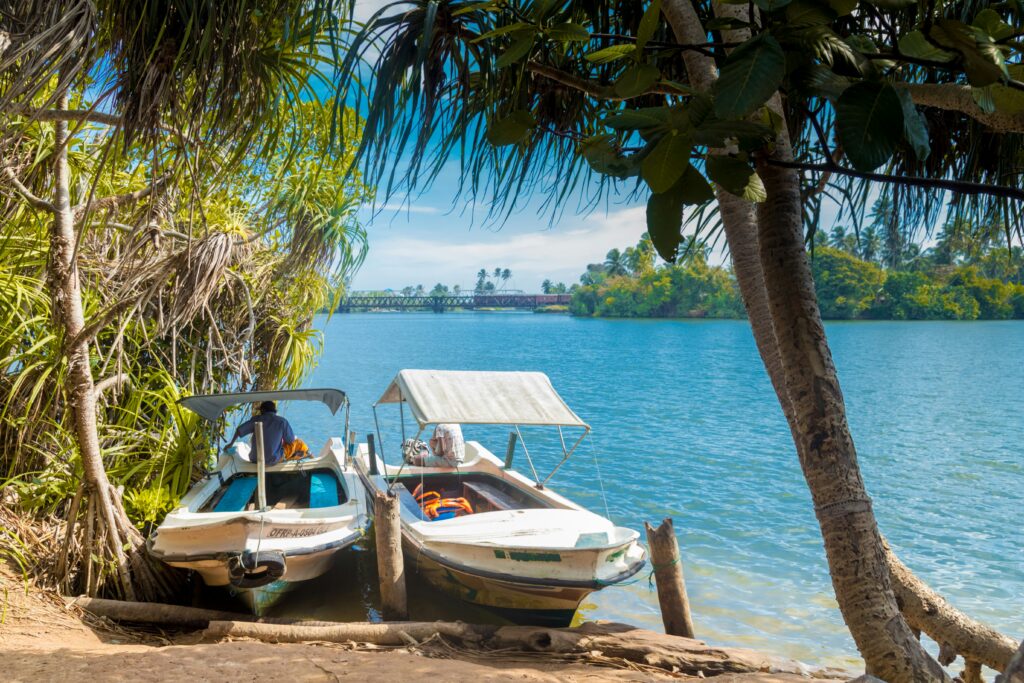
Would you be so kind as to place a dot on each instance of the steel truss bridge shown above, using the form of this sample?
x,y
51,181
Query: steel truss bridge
x,y
445,302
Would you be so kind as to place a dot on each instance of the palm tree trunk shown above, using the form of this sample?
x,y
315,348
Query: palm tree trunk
x,y
69,319
853,545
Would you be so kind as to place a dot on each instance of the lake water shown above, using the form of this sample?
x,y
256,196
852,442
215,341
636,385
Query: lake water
x,y
686,426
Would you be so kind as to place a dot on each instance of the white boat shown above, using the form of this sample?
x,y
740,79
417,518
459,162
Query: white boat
x,y
260,529
524,551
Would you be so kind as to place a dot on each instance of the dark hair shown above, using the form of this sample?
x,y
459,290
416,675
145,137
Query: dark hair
x,y
268,407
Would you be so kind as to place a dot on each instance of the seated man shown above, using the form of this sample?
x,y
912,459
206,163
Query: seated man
x,y
276,432
448,446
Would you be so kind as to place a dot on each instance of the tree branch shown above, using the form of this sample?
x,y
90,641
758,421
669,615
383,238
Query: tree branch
x,y
26,194
952,97
118,200
958,186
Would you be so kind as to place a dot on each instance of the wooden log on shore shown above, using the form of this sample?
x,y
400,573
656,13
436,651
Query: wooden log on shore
x,y
668,577
391,633
155,612
390,564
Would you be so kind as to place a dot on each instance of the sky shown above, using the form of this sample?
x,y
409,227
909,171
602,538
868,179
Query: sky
x,y
434,239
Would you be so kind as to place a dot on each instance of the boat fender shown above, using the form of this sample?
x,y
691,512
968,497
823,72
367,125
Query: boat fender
x,y
252,570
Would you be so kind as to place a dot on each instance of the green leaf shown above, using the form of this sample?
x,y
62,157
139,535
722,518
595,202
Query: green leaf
x,y
749,76
521,46
636,80
611,53
808,13
502,30
693,188
568,33
486,6
511,129
869,123
983,98
736,177
983,62
748,134
664,222
1008,100
771,5
602,156
915,45
989,21
915,127
648,24
637,119
667,161
843,7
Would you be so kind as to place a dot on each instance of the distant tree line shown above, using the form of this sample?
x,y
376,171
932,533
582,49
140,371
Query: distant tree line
x,y
968,274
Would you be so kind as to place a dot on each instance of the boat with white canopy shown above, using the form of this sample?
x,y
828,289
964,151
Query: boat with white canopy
x,y
259,529
481,530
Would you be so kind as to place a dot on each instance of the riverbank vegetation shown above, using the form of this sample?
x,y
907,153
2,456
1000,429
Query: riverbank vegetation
x,y
169,225
969,274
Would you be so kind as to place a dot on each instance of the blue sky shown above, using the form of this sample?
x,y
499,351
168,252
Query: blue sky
x,y
435,238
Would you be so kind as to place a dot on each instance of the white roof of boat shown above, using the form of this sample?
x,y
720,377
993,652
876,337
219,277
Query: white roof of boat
x,y
471,397
210,406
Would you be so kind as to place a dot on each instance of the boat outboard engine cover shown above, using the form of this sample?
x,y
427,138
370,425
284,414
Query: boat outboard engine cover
x,y
252,570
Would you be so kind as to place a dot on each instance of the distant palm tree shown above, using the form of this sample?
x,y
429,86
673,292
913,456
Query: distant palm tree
x,y
870,243
420,290
481,279
547,286
497,273
837,238
456,289
615,263
407,291
560,288
506,275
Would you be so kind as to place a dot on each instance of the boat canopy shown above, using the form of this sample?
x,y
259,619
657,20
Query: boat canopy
x,y
468,397
211,406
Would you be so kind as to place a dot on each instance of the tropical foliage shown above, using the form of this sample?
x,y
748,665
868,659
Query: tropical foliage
x,y
212,218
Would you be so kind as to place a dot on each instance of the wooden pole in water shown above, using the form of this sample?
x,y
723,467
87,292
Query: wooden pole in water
x,y
261,465
390,565
668,576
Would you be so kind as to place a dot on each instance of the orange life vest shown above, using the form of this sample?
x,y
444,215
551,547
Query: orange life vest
x,y
296,450
433,505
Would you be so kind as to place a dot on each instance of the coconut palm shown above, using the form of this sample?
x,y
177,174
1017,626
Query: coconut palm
x,y
547,286
616,263
554,115
506,275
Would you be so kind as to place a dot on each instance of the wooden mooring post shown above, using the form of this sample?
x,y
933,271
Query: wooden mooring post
x,y
668,576
390,565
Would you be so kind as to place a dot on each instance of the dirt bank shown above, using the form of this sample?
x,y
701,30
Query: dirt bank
x,y
41,639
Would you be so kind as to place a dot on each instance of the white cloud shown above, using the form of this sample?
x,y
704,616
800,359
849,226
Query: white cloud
x,y
406,257
408,208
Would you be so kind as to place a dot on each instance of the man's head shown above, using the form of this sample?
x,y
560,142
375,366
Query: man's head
x,y
268,407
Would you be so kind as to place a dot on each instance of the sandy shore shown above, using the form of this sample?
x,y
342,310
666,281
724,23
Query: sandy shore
x,y
42,640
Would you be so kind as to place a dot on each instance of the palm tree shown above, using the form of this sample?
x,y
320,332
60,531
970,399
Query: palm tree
x,y
481,280
456,290
497,274
420,290
506,275
766,239
546,286
870,244
837,237
615,263
407,291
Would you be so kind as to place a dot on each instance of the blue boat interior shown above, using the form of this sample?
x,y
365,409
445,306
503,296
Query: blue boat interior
x,y
298,490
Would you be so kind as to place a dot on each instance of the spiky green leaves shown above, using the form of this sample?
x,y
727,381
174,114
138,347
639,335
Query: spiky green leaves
x,y
750,75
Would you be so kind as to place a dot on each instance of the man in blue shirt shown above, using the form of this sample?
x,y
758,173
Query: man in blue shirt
x,y
276,432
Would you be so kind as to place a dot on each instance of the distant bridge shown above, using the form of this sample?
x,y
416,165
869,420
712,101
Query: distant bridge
x,y
445,302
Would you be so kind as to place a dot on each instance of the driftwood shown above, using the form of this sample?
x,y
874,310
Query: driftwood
x,y
390,633
610,640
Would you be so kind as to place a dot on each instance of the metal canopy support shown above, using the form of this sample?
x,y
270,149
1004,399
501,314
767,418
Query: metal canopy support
x,y
565,453
510,450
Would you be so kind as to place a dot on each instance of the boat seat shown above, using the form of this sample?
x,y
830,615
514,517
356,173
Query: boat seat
x,y
237,495
407,500
492,496
323,490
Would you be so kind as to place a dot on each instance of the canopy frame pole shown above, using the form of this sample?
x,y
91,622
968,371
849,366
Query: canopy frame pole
x,y
391,484
261,466
526,450
380,443
566,454
401,415
345,434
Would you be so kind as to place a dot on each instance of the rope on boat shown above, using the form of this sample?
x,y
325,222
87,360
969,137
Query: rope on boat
x,y
600,479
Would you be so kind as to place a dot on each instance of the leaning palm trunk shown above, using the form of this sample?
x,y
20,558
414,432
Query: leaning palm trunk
x,y
853,545
107,530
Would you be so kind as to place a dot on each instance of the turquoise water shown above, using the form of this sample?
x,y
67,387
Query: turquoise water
x,y
686,426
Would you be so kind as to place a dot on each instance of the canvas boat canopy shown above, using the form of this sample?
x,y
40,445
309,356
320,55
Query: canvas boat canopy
x,y
468,397
212,406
